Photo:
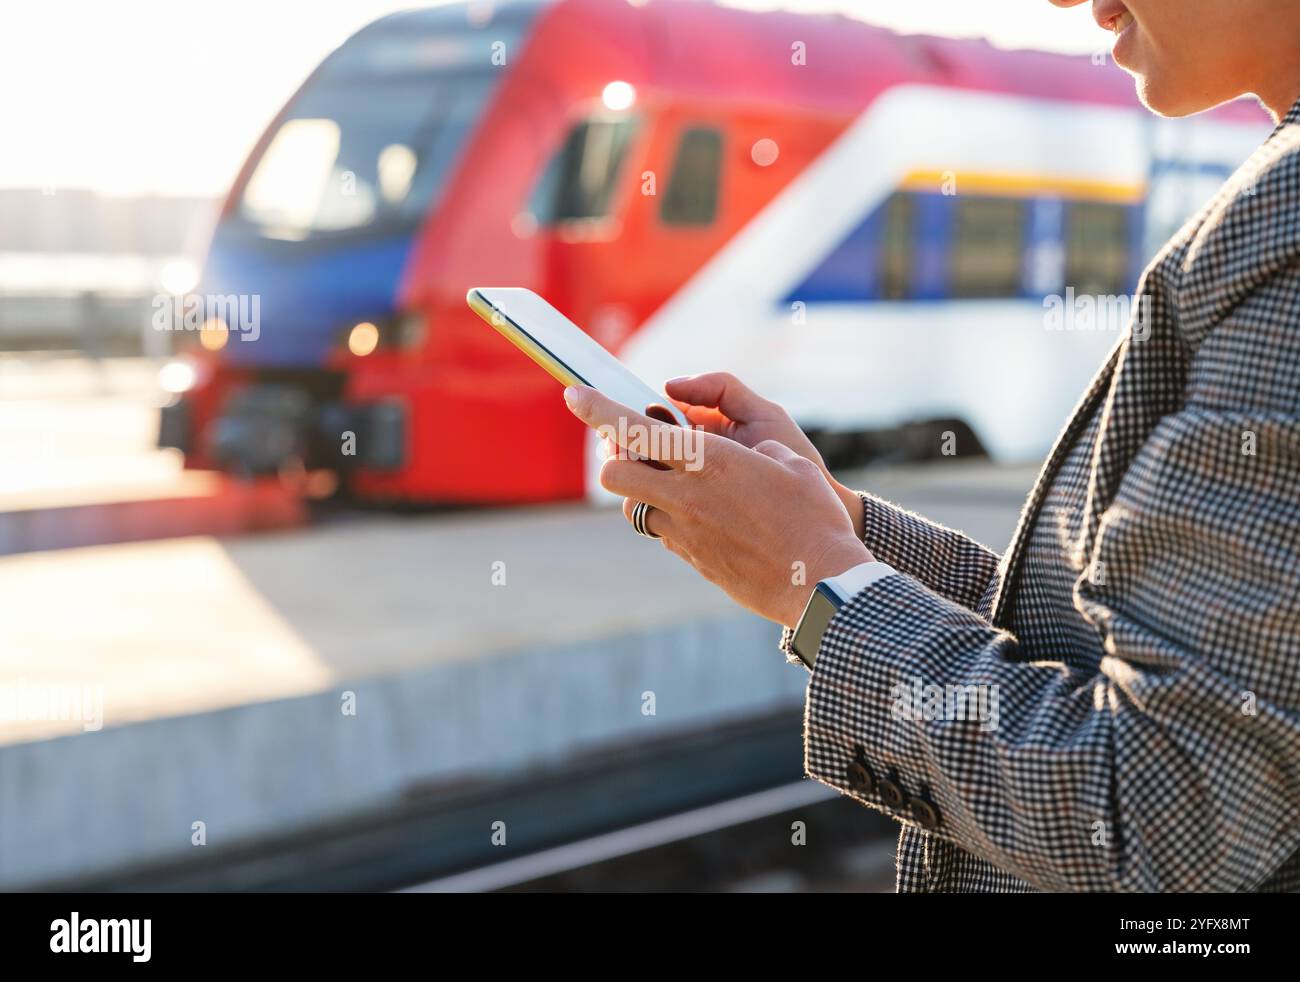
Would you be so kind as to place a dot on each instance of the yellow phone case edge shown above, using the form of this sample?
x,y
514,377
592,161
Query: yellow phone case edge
x,y
515,336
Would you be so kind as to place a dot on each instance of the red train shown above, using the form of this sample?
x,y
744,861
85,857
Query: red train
x,y
861,224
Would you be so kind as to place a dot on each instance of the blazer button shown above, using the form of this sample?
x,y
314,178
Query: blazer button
x,y
861,779
891,792
925,812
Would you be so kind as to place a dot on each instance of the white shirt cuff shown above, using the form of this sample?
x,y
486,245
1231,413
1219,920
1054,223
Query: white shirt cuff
x,y
849,584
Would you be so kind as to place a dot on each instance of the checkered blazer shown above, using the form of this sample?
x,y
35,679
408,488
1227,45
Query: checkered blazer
x,y
1154,745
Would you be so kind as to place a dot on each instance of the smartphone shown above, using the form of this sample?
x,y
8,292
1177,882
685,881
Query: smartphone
x,y
566,351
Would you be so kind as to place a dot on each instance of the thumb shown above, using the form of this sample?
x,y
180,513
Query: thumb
x,y
721,391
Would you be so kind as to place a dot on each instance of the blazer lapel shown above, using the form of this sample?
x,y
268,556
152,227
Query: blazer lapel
x,y
1029,513
1149,378
1137,384
1150,371
1141,382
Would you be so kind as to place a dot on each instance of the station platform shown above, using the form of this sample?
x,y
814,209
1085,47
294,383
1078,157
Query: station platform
x,y
267,685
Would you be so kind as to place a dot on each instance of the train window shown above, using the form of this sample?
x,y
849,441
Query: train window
x,y
692,195
1097,248
360,154
988,247
579,182
898,246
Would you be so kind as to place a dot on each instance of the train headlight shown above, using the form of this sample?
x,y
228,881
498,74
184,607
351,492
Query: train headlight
x,y
363,339
178,376
214,334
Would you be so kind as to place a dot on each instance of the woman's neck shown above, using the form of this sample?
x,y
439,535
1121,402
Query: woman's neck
x,y
1280,97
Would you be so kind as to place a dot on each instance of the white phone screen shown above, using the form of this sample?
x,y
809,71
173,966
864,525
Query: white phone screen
x,y
572,347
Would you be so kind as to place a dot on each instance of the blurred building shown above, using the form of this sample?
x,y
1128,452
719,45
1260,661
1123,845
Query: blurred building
x,y
80,270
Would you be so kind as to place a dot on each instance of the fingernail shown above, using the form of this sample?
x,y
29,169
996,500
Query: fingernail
x,y
679,378
571,396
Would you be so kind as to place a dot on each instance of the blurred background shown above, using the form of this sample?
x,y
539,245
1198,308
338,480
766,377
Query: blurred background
x,y
305,581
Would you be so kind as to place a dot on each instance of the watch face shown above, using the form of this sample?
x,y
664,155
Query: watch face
x,y
816,616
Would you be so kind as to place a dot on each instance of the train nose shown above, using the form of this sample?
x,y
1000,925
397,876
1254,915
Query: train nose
x,y
266,426
262,428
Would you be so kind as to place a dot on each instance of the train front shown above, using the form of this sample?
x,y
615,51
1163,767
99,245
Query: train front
x,y
303,277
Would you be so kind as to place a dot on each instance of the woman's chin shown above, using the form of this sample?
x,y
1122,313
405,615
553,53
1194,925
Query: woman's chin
x,y
1167,100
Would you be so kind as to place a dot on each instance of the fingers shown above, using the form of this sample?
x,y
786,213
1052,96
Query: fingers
x,y
777,451
721,391
705,417
633,431
634,479
657,521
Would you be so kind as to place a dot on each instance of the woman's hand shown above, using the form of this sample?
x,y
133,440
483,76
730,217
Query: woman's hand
x,y
762,523
723,405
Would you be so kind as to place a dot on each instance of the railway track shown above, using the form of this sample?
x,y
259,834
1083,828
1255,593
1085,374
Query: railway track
x,y
700,811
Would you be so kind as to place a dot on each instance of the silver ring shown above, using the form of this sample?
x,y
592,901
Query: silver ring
x,y
639,512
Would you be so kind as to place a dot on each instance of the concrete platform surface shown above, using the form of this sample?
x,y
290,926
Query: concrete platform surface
x,y
196,624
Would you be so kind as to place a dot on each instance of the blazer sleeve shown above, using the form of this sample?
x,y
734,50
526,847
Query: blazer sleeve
x,y
946,561
1175,765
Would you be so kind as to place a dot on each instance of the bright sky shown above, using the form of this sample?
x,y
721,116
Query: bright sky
x,y
169,95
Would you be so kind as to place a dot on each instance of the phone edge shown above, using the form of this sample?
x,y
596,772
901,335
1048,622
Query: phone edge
x,y
517,336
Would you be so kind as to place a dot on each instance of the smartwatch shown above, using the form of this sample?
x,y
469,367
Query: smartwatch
x,y
829,596
821,607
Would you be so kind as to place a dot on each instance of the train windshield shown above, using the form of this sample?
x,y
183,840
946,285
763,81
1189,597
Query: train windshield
x,y
370,141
